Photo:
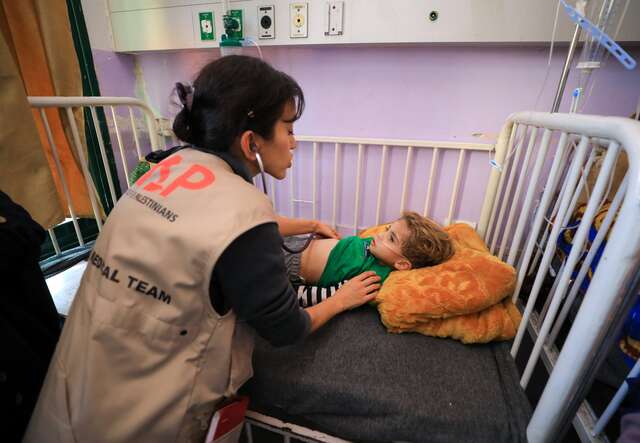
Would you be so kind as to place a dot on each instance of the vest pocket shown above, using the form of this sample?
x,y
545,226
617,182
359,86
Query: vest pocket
x,y
135,324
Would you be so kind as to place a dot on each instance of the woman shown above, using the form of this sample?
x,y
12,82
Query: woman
x,y
187,266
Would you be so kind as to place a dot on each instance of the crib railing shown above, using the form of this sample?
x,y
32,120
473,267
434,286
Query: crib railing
x,y
66,106
538,173
420,184
538,194
408,150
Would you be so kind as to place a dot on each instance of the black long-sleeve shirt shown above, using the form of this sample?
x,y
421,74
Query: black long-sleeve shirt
x,y
250,277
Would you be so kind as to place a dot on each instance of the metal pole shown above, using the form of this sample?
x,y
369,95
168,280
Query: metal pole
x,y
615,402
598,355
566,69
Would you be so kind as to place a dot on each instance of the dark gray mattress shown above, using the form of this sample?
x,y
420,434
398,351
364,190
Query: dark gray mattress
x,y
354,380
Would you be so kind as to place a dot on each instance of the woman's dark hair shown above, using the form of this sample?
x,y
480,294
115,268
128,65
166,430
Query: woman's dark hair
x,y
231,95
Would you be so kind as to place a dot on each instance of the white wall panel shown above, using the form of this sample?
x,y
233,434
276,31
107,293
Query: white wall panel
x,y
142,25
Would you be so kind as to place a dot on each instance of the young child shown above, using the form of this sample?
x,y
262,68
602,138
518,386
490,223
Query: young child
x,y
412,241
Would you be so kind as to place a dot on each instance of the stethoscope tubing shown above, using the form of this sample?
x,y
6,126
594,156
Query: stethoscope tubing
x,y
264,187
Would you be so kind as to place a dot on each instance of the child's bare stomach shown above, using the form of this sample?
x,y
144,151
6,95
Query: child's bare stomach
x,y
314,259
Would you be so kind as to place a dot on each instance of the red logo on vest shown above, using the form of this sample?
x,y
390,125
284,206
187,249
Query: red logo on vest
x,y
184,180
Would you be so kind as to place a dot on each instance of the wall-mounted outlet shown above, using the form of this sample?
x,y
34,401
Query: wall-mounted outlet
x,y
266,22
207,30
299,23
233,24
333,17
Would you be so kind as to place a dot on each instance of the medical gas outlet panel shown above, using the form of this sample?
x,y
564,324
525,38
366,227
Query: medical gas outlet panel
x,y
154,25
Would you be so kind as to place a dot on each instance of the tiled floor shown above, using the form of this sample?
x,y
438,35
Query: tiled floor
x,y
63,287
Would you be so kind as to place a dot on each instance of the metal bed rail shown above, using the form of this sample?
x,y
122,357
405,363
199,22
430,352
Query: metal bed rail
x,y
311,146
560,151
524,190
66,105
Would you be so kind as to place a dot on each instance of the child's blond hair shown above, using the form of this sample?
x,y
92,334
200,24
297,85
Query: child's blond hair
x,y
427,243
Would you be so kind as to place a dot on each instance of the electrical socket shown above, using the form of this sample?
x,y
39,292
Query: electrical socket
x,y
333,17
299,20
206,26
266,22
233,24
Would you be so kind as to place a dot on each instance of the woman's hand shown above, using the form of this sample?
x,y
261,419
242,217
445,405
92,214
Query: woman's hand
x,y
297,226
358,291
326,231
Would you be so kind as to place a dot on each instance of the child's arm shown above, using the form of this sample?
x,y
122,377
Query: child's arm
x,y
356,292
296,226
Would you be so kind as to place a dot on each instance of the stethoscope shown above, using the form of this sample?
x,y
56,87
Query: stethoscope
x,y
186,94
306,244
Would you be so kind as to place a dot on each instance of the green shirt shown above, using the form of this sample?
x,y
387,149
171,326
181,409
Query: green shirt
x,y
351,257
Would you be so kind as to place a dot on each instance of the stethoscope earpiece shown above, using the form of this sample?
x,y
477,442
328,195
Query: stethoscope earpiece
x,y
261,167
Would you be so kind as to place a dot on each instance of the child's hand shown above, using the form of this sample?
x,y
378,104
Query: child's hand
x,y
358,291
326,231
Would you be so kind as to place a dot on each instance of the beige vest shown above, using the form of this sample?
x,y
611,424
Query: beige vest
x,y
143,356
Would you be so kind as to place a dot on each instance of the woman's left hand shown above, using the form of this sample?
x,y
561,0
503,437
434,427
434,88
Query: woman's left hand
x,y
326,231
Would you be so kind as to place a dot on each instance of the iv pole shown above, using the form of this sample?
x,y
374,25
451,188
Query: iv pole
x,y
567,63
566,68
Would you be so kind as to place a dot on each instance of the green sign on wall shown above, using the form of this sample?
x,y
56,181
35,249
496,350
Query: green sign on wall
x,y
207,31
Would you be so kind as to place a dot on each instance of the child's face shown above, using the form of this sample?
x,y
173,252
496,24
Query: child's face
x,y
387,245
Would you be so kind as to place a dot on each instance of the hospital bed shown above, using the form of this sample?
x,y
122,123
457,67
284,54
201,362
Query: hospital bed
x,y
354,381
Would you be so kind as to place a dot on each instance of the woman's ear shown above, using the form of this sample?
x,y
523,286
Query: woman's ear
x,y
402,264
248,146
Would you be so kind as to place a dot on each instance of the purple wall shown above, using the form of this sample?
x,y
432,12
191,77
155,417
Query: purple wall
x,y
115,73
419,92
116,77
432,92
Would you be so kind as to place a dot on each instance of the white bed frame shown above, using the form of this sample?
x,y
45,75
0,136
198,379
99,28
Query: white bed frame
x,y
538,168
